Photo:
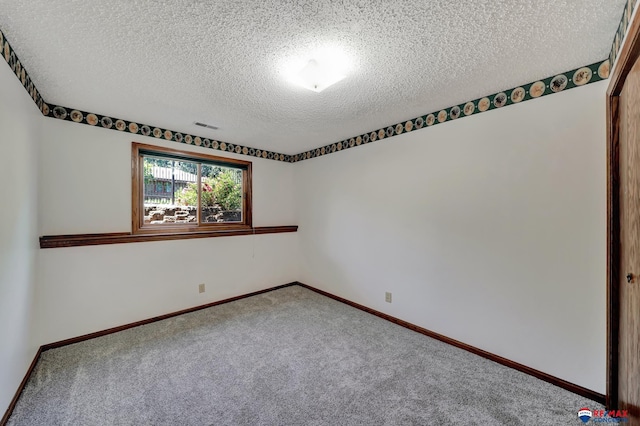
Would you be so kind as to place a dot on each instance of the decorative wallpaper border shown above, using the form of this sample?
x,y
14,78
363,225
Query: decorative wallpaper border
x,y
92,119
623,27
568,80
19,70
550,85
106,122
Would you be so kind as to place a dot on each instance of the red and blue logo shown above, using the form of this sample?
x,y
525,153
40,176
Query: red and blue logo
x,y
603,416
585,414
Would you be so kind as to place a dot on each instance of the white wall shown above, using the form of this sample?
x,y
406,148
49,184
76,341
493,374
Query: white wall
x,y
85,187
489,230
19,128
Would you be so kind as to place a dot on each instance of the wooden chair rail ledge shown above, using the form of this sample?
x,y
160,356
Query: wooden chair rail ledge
x,y
57,241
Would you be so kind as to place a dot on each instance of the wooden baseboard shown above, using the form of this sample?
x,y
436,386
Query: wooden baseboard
x,y
84,337
154,319
571,387
587,393
14,401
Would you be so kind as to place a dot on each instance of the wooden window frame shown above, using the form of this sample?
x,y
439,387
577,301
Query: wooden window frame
x,y
137,192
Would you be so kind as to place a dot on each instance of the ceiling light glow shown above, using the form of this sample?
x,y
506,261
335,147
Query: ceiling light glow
x,y
317,77
318,69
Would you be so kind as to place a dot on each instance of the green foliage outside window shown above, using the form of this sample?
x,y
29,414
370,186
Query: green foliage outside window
x,y
222,190
148,175
227,192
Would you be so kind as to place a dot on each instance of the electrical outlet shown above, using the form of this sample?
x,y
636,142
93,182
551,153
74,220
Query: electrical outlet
x,y
387,297
201,288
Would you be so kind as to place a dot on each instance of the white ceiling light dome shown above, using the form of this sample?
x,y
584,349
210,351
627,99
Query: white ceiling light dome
x,y
317,76
316,71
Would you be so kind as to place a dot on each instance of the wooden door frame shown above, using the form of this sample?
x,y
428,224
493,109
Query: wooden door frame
x,y
629,53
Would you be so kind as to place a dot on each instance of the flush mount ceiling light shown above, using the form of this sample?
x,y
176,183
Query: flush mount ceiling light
x,y
316,67
317,76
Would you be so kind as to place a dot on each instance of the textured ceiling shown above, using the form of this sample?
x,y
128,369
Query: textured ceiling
x,y
169,63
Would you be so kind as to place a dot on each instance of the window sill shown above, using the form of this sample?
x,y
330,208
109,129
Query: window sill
x,y
57,241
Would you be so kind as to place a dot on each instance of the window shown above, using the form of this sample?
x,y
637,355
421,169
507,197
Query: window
x,y
177,191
